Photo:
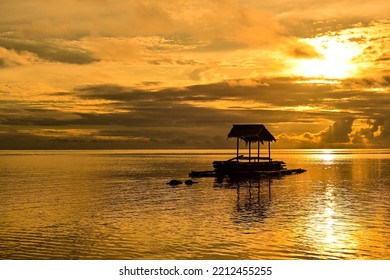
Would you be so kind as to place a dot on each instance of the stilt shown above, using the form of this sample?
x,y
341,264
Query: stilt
x,y
249,151
269,151
238,147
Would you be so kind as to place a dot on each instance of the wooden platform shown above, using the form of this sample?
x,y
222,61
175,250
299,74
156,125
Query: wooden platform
x,y
202,174
256,173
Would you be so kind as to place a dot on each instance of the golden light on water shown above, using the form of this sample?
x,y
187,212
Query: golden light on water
x,y
327,231
328,212
327,156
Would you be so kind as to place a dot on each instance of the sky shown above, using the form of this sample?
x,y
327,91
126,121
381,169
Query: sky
x,y
129,74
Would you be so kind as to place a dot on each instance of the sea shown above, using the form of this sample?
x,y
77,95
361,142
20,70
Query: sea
x,y
117,205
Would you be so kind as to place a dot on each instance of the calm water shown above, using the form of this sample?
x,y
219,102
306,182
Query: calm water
x,y
117,205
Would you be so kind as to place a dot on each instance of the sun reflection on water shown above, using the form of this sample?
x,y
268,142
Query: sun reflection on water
x,y
327,156
327,226
329,235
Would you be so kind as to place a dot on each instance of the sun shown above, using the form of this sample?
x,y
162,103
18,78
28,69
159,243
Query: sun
x,y
335,60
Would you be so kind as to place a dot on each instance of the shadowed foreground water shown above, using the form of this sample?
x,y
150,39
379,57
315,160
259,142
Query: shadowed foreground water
x,y
117,205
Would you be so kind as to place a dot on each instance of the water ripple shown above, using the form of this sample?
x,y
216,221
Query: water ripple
x,y
118,206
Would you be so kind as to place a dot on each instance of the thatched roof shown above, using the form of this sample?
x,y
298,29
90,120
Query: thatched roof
x,y
251,133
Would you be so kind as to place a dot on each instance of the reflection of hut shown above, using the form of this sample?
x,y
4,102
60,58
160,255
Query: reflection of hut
x,y
252,201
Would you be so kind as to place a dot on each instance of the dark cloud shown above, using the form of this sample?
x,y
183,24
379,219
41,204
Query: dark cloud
x,y
338,132
191,116
150,83
28,140
384,57
301,50
190,104
25,115
51,51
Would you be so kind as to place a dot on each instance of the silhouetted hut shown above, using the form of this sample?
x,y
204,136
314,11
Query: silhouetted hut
x,y
241,166
252,133
249,133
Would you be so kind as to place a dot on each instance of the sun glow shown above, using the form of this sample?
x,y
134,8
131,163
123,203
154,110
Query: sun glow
x,y
327,156
335,60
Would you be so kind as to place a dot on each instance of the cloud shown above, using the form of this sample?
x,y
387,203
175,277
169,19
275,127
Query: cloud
x,y
10,58
197,116
338,132
311,115
302,50
15,116
358,133
175,43
370,131
338,9
183,19
51,51
178,73
384,57
265,95
139,36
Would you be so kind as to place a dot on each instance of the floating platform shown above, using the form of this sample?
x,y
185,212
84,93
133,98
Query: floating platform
x,y
252,164
241,173
202,174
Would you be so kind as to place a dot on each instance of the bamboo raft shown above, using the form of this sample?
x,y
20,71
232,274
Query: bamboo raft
x,y
253,173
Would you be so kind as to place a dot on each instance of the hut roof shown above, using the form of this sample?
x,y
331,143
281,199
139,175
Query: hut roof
x,y
251,133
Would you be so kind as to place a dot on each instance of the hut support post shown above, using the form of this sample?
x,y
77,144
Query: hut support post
x,y
269,151
238,147
258,151
249,151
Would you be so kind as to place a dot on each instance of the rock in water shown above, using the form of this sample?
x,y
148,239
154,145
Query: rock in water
x,y
189,182
174,182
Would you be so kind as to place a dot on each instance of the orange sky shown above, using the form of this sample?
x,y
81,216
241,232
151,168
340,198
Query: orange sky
x,y
178,74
